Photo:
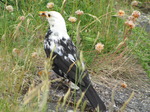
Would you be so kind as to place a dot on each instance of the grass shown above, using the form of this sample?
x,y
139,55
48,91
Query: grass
x,y
97,25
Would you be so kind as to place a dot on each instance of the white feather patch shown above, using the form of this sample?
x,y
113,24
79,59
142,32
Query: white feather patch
x,y
70,56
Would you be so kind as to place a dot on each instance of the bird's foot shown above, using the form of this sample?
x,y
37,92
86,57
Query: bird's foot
x,y
73,86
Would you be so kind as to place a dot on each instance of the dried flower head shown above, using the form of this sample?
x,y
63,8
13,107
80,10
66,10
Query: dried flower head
x,y
50,5
124,85
72,19
79,12
99,47
15,51
34,54
41,72
134,3
136,14
9,8
130,24
22,18
121,13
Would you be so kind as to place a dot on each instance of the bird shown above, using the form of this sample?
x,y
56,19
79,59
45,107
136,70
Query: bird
x,y
66,57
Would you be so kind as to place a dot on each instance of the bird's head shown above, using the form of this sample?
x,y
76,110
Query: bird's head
x,y
55,19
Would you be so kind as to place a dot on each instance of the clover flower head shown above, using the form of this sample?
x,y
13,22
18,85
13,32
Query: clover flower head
x,y
134,3
121,13
99,47
136,14
50,5
34,54
79,12
22,18
15,51
72,19
130,24
40,73
9,8
131,18
124,85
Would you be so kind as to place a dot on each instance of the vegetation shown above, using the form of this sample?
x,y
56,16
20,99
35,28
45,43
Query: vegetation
x,y
22,33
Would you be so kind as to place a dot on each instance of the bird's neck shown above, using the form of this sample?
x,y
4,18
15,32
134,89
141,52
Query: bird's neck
x,y
58,27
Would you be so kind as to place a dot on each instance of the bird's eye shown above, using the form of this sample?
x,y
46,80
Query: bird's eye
x,y
49,15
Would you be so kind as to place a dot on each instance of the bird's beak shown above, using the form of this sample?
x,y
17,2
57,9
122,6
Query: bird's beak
x,y
42,13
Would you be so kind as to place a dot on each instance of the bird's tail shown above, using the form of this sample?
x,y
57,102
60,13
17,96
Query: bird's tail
x,y
94,99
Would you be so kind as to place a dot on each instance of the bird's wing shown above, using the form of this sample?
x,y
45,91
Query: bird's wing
x,y
65,53
65,60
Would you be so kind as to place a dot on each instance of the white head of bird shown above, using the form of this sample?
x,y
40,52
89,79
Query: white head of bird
x,y
55,19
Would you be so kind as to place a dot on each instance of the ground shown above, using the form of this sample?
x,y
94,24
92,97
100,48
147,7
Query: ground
x,y
107,83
